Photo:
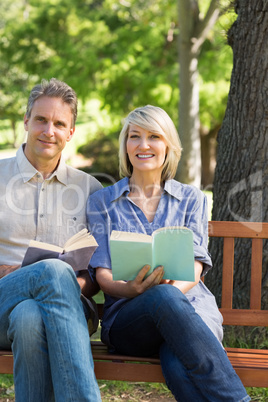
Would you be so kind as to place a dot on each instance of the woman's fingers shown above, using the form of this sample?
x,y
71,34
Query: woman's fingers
x,y
142,273
154,278
140,284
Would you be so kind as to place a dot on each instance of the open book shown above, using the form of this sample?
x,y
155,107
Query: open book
x,y
77,251
171,247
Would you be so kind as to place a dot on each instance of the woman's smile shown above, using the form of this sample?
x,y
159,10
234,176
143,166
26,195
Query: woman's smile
x,y
145,146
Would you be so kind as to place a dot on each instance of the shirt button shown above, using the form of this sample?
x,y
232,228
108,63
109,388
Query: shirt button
x,y
41,215
43,189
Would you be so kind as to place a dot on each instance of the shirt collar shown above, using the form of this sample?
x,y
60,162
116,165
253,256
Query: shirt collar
x,y
172,187
61,172
28,171
120,188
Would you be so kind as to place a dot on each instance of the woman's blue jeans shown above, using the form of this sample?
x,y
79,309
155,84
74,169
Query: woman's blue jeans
x,y
42,319
194,363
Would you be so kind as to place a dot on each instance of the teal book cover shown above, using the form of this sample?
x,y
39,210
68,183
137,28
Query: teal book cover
x,y
171,247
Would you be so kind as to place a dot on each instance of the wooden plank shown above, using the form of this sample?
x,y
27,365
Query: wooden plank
x,y
249,361
263,352
256,274
252,318
227,273
250,364
251,377
6,363
238,229
128,372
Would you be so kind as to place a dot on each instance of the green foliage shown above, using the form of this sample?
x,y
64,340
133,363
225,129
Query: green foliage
x,y
6,385
126,52
6,380
103,154
258,394
245,337
215,67
122,53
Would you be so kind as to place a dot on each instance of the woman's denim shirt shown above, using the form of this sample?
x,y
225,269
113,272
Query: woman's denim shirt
x,y
180,205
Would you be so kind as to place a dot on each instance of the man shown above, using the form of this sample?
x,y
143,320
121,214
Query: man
x,y
41,314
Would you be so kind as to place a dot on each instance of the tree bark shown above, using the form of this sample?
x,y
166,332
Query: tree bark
x,y
208,157
193,32
241,175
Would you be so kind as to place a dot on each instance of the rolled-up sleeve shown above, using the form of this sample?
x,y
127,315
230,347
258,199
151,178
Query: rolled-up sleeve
x,y
198,222
99,226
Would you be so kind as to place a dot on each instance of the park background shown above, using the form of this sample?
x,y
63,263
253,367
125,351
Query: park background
x,y
204,61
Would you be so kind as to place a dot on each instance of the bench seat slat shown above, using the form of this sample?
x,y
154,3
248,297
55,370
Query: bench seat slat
x,y
263,352
131,372
250,364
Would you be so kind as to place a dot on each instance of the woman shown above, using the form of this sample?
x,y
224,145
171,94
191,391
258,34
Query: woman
x,y
179,320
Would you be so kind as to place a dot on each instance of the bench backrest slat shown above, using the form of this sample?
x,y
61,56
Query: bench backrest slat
x,y
249,230
256,274
227,273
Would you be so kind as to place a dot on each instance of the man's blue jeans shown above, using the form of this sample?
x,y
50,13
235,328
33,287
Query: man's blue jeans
x,y
194,363
42,319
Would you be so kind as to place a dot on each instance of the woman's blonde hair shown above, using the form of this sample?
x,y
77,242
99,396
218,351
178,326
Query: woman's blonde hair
x,y
155,120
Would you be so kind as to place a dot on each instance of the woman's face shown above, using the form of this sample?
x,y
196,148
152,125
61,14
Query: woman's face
x,y
146,150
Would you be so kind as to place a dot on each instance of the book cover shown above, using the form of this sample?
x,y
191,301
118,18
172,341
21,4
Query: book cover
x,y
77,251
171,247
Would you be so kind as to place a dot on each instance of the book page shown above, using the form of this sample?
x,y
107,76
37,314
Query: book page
x,y
82,242
130,236
173,248
44,246
75,238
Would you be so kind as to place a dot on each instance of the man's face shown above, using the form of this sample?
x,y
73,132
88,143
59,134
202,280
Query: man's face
x,y
49,128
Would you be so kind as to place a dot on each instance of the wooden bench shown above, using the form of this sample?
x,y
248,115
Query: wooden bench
x,y
250,364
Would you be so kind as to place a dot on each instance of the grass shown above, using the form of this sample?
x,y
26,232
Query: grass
x,y
110,390
6,385
120,390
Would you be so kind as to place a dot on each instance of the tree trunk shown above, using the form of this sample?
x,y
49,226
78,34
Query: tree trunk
x,y
189,124
193,32
208,157
14,132
241,175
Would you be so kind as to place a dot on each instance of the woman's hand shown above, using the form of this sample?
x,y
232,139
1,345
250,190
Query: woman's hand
x,y
132,288
185,286
139,284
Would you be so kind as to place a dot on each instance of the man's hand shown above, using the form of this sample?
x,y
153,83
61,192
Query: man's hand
x,y
7,269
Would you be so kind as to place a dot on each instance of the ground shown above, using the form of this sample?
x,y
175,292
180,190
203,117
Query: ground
x,y
138,393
